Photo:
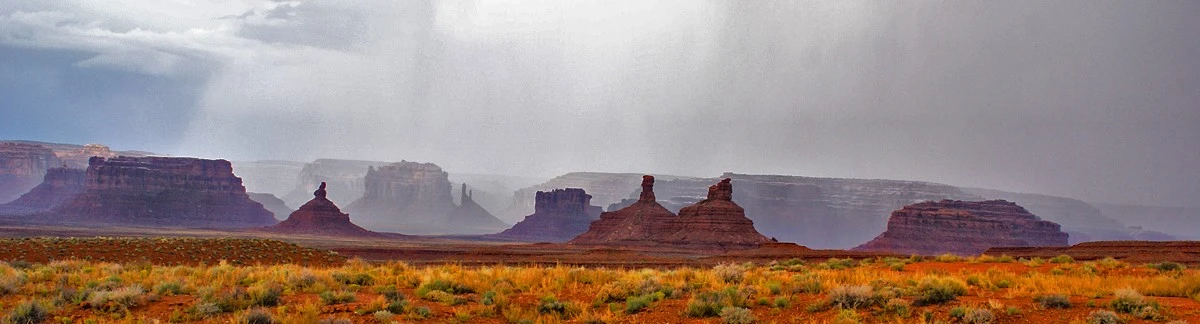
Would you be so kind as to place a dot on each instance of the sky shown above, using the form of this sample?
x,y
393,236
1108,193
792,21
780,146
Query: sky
x,y
1097,100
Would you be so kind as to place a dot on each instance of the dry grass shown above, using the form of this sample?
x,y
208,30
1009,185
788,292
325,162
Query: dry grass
x,y
834,290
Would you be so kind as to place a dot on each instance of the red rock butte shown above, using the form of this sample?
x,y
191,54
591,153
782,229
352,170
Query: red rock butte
x,y
58,186
320,216
22,167
163,191
559,215
964,228
714,223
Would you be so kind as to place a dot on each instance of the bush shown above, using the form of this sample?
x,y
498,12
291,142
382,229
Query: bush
x,y
30,312
489,298
551,305
730,273
1103,317
1053,301
391,293
257,316
852,296
269,295
736,315
782,302
422,312
444,297
334,298
445,286
384,316
120,299
979,316
948,257
938,290
634,305
807,284
837,264
709,304
361,279
1126,300
1168,266
1062,259
898,306
168,288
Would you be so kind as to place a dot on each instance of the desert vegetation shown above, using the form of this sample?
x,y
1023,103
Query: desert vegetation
x,y
943,289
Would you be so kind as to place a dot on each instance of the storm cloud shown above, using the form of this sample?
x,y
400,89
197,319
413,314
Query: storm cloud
x,y
1098,100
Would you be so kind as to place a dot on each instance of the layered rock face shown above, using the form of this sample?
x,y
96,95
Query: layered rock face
x,y
345,179
639,224
164,191
405,197
716,221
559,215
605,188
320,216
964,228
273,204
22,167
471,218
58,186
76,156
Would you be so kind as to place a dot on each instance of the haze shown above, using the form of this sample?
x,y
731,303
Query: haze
x,y
1098,100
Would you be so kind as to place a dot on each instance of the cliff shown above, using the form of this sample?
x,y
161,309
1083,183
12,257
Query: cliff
x,y
58,186
344,178
405,197
22,167
964,228
559,215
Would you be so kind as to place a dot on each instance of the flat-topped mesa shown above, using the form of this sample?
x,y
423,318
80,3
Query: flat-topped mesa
x,y
963,227
320,216
405,197
716,221
559,215
22,167
164,191
638,224
470,218
58,186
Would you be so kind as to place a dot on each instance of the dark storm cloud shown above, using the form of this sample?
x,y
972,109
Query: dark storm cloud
x,y
1089,99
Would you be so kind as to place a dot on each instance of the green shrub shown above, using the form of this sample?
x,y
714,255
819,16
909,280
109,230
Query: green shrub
x,y
390,293
1063,258
1104,317
948,257
551,305
30,312
269,295
1053,301
1168,266
444,297
422,312
898,306
334,298
120,299
710,303
489,298
837,264
979,316
384,316
444,286
807,284
782,302
737,315
168,288
853,296
938,290
361,279
958,313
633,305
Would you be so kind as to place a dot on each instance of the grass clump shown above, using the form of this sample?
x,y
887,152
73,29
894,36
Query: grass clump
x,y
30,312
948,257
117,300
837,264
730,273
899,307
336,297
257,316
444,298
446,286
935,290
361,279
710,303
1053,301
979,316
1126,300
1062,258
853,297
1167,266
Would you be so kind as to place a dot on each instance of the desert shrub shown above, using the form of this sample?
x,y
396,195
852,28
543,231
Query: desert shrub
x,y
729,273
634,305
1104,317
422,312
938,290
791,265
338,297
206,309
1168,266
30,312
390,293
782,302
736,315
852,296
444,286
898,306
979,316
361,279
11,284
1063,258
1053,301
168,288
257,316
551,305
384,316
120,299
304,280
837,264
335,321
267,295
1126,300
807,284
444,298
948,257
489,298
710,303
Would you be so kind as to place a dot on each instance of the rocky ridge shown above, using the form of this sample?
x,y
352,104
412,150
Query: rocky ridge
x,y
963,228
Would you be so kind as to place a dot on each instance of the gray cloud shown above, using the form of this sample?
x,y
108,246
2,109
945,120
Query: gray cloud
x,y
1089,99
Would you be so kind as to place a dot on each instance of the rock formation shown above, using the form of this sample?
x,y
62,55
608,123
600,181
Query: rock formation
x,y
638,224
964,228
715,221
22,167
470,218
405,197
320,216
163,191
58,186
559,215
605,188
273,204
345,179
